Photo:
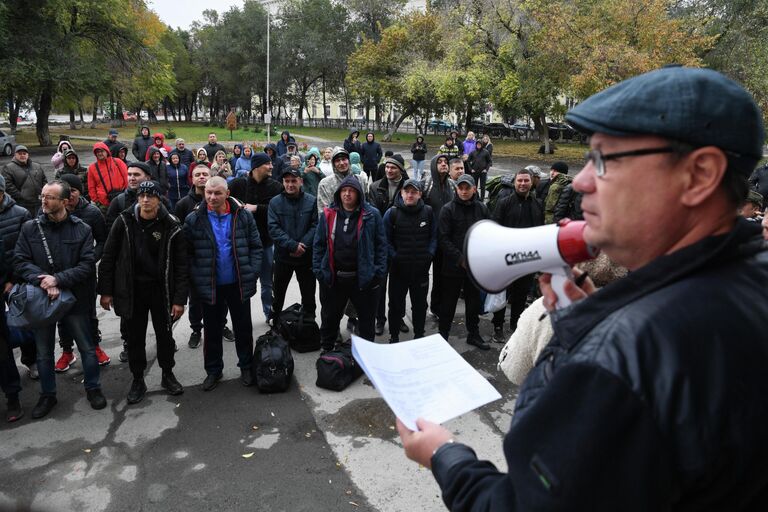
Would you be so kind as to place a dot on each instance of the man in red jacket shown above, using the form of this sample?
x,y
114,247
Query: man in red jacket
x,y
107,177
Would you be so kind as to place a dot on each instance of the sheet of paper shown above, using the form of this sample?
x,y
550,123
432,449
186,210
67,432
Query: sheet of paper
x,y
423,378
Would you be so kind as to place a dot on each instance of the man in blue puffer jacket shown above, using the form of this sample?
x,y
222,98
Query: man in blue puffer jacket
x,y
349,259
225,253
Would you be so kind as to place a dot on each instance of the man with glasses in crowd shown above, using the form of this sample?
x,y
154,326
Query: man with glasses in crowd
x,y
70,243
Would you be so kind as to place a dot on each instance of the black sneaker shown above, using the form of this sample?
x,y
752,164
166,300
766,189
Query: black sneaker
x,y
96,398
476,340
194,339
404,327
352,325
14,412
379,328
227,334
245,377
498,334
138,389
123,357
211,381
170,384
44,406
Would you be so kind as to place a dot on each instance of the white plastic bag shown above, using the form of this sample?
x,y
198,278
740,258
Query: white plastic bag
x,y
495,302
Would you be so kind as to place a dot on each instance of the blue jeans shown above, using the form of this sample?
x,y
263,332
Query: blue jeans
x,y
267,259
79,326
418,169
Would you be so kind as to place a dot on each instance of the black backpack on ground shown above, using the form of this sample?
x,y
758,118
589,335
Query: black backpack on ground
x,y
272,366
337,369
301,333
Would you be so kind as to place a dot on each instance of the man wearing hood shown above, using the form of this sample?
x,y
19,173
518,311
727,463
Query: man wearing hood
x,y
437,191
382,195
330,184
72,166
146,252
159,144
349,259
291,149
352,142
24,180
158,169
455,220
411,231
419,152
120,151
107,177
371,153
277,162
141,145
256,190
282,144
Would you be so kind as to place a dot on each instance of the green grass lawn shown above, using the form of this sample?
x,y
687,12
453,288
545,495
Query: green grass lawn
x,y
198,133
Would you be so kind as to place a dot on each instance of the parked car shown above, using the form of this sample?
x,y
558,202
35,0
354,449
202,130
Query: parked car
x,y
440,126
498,130
7,143
476,126
561,131
522,130
129,116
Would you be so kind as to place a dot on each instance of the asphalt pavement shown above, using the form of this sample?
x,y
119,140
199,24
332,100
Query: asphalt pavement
x,y
232,448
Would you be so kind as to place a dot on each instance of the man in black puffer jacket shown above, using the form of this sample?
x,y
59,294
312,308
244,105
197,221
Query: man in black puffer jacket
x,y
292,220
12,216
70,243
411,230
146,252
225,253
651,393
569,205
455,220
256,191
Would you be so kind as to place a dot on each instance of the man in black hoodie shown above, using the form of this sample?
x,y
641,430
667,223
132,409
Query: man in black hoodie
x,y
455,220
213,146
141,144
256,190
437,191
277,162
370,155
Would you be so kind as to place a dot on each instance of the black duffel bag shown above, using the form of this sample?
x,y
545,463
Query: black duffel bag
x,y
337,369
301,332
272,366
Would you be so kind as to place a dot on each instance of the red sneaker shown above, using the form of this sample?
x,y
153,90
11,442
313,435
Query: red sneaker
x,y
102,357
65,361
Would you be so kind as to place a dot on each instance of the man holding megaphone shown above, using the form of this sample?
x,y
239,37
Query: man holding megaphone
x,y
651,395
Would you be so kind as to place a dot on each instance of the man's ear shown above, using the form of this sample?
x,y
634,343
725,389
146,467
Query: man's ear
x,y
704,170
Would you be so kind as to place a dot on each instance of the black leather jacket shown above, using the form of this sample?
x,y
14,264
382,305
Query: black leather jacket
x,y
652,395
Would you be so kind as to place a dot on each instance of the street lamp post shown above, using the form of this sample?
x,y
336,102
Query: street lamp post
x,y
267,114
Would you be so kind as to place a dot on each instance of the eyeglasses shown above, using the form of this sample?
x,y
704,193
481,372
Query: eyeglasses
x,y
599,159
49,198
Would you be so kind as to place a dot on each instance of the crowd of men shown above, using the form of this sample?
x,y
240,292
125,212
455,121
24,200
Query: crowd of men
x,y
206,232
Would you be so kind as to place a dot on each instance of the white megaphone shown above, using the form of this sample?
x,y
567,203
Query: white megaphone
x,y
496,256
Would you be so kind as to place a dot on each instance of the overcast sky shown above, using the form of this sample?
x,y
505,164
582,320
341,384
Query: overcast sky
x,y
182,14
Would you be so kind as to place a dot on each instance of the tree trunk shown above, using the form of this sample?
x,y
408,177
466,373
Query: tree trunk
x,y
95,111
468,116
13,111
325,115
540,124
72,119
80,112
165,109
393,128
43,110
